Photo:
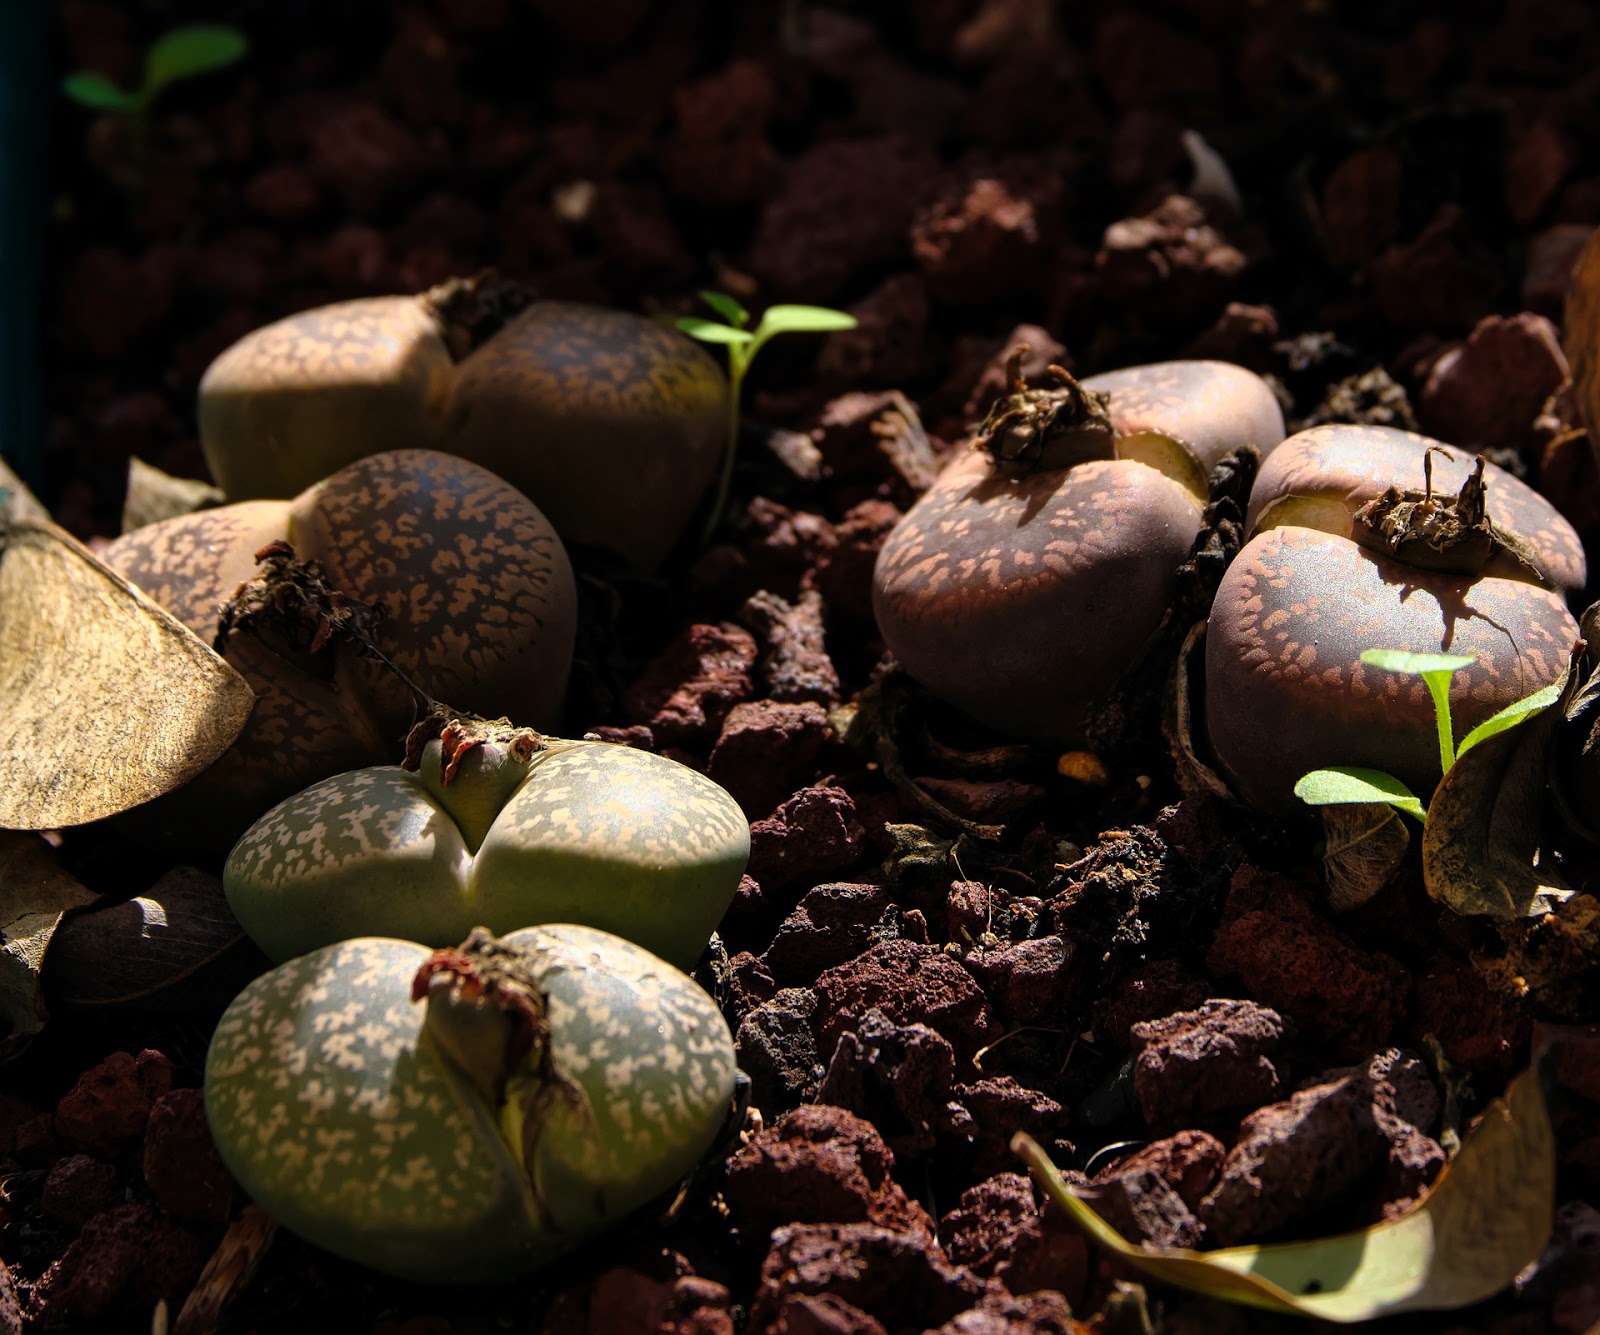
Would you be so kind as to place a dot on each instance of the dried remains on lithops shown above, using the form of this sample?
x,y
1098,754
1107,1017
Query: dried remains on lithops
x,y
554,1081
1022,588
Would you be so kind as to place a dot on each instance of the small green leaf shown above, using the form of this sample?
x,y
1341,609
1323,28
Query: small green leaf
x,y
1415,665
1510,716
186,53
804,320
97,92
709,331
729,309
1328,787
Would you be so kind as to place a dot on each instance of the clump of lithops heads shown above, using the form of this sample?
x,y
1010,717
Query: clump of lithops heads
x,y
1368,537
1029,578
611,423
464,1115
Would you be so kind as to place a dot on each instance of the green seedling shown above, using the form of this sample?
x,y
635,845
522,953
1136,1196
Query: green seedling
x,y
743,343
1342,784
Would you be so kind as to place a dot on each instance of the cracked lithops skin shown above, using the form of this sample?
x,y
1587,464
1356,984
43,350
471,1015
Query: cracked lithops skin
x,y
549,1084
1286,692
294,401
1321,477
477,606
1022,599
611,423
585,832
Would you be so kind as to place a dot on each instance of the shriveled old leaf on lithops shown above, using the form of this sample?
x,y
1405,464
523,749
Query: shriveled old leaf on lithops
x,y
16,501
1481,842
1582,336
1488,1215
153,496
1364,843
106,701
34,895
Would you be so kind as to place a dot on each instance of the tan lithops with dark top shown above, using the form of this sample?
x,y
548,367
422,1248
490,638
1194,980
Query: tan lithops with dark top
x,y
1352,557
1034,571
611,423
473,599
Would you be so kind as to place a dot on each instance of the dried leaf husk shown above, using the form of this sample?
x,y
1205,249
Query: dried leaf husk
x,y
177,946
35,894
1582,341
106,700
1365,843
153,495
1481,845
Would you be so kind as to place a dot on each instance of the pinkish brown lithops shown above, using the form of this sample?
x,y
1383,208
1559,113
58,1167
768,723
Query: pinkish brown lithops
x,y
611,423
1369,538
453,576
1039,565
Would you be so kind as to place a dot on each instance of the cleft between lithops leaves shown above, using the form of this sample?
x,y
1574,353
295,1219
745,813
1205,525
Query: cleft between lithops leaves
x,y
471,765
1044,427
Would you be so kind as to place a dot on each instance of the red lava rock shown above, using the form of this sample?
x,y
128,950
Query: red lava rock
x,y
1490,389
752,983
990,801
985,233
1361,205
1188,1162
718,155
1026,980
1171,266
1243,334
636,235
844,574
1146,154
842,213
777,1048
110,302
888,346
1441,280
813,834
1038,1313
181,1165
242,265
1536,166
1142,1206
355,260
1149,993
124,1260
891,1276
794,664
1547,274
830,924
1479,1031
910,984
998,1232
998,1107
821,1314
361,153
1294,960
1145,63
896,1075
781,544
34,1141
602,25
820,1165
687,692
79,1188
766,750
108,1108
1203,1064
282,193
624,1301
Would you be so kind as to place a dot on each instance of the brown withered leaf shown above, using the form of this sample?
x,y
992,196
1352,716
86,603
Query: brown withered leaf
x,y
106,701
1582,336
231,1267
177,945
1365,843
1481,844
34,896
153,495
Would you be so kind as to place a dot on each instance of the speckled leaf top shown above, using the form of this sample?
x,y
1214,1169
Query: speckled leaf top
x,y
600,834
342,1119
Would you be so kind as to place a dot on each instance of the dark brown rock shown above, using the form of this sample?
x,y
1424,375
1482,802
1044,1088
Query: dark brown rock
x,y
1026,980
995,1109
181,1165
999,1232
766,751
1035,1313
1142,1206
625,1301
1188,1162
1204,1064
1441,280
896,1075
777,1048
888,346
1151,992
830,924
820,1314
361,153
1170,267
78,1188
982,237
718,155
813,834
1361,205
844,574
1490,390
107,1109
685,694
910,984
124,1261
1147,63
794,663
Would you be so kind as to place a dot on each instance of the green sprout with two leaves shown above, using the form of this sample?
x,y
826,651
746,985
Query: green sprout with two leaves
x,y
743,343
1341,784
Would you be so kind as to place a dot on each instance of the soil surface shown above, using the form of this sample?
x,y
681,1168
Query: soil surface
x,y
943,937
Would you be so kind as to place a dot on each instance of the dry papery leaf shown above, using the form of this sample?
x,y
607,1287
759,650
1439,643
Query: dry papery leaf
x,y
1364,845
1582,336
1488,1216
153,496
34,895
232,1266
106,701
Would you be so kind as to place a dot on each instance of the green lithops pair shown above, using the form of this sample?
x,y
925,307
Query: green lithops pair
x,y
490,825
465,1115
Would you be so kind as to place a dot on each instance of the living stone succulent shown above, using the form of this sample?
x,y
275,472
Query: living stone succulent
x,y
465,1115
1036,569
611,423
494,825
1374,538
466,593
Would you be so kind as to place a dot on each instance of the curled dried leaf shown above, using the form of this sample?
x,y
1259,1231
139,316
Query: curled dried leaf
x,y
35,894
1365,843
106,700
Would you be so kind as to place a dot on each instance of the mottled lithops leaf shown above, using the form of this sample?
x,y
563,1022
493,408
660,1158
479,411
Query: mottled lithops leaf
x,y
34,896
1364,845
342,1115
105,700
1481,841
594,833
1488,1215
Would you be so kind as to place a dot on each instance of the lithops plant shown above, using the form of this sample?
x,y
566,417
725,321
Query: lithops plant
x,y
463,1116
1039,565
611,423
472,600
1372,538
492,825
